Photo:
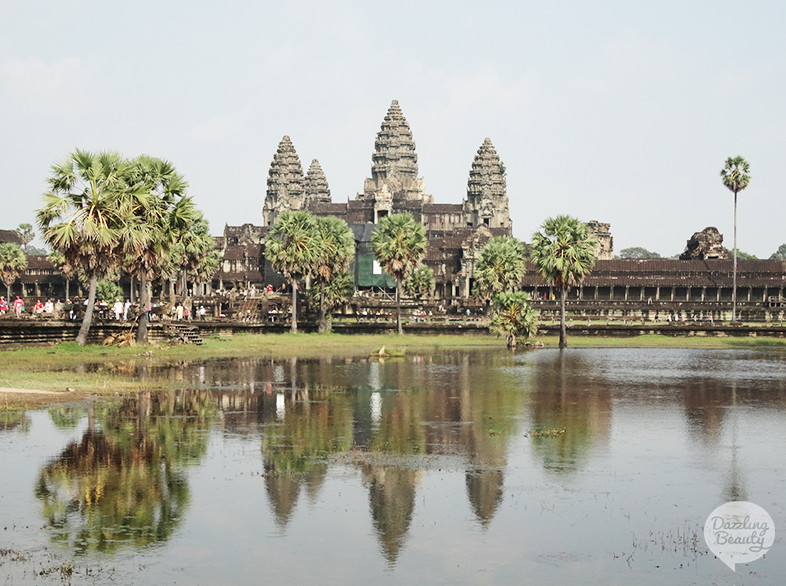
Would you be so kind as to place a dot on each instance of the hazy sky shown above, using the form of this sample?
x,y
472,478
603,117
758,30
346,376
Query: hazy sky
x,y
619,111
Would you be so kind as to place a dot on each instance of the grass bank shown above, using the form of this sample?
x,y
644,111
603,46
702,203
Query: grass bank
x,y
112,369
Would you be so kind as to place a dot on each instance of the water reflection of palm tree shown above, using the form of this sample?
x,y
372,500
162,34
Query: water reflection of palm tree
x,y
121,484
734,488
565,399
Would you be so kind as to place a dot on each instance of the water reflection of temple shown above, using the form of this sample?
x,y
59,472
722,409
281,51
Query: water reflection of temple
x,y
385,421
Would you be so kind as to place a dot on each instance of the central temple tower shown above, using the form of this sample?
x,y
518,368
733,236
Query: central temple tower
x,y
394,170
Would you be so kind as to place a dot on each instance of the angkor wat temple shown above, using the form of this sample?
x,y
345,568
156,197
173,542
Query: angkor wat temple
x,y
456,233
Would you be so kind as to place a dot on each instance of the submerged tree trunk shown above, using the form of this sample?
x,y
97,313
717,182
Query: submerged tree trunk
x,y
563,328
293,328
141,330
81,338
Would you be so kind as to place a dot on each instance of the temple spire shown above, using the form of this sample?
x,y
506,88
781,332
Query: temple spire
x,y
394,169
284,183
316,185
487,200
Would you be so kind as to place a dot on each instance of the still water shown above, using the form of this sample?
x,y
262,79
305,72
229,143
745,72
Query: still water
x,y
478,467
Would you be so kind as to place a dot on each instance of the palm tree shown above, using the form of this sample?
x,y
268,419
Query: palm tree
x,y
564,253
161,213
513,316
12,262
501,266
331,294
85,216
293,247
337,249
399,244
421,282
26,234
735,176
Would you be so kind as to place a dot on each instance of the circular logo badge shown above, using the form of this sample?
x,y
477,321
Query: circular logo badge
x,y
739,532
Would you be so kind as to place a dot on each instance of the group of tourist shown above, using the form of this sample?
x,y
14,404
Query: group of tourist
x,y
18,306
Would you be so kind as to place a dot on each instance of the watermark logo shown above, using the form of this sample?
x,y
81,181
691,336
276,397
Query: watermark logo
x,y
739,532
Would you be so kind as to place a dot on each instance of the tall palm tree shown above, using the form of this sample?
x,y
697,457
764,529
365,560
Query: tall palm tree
x,y
161,212
293,247
564,253
399,244
501,266
12,262
735,176
85,216
337,249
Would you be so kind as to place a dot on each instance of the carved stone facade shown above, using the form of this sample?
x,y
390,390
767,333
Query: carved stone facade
x,y
707,244
604,250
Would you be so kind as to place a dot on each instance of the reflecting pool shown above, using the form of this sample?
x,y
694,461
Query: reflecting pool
x,y
581,466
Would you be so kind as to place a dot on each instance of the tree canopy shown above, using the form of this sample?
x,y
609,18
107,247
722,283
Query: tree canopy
x,y
399,244
501,266
779,254
564,253
85,216
638,252
513,316
293,248
12,262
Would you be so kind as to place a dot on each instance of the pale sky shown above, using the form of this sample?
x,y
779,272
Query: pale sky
x,y
617,111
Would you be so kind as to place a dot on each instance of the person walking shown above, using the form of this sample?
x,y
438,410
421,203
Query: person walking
x,y
19,307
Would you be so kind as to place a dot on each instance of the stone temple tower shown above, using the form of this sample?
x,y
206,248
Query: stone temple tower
x,y
487,199
316,185
285,189
394,170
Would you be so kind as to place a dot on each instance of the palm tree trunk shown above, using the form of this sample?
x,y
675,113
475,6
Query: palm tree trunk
x,y
81,338
293,328
563,328
141,329
734,270
398,308
323,326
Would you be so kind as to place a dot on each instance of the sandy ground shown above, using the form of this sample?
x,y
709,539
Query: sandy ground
x,y
35,398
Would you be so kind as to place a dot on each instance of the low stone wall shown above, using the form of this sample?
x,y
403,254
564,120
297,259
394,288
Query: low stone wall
x,y
32,331
43,332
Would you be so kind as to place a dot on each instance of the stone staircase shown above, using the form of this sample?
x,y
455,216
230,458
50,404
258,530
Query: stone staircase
x,y
188,334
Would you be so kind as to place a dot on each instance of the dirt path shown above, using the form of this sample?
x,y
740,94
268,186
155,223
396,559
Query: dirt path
x,y
12,399
30,391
